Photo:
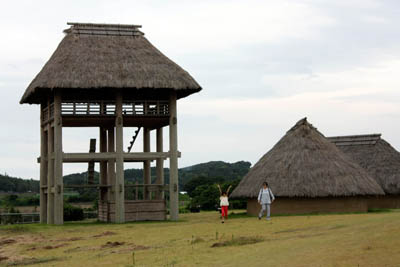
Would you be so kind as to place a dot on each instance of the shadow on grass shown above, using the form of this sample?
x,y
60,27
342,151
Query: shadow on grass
x,y
335,213
33,261
239,215
238,241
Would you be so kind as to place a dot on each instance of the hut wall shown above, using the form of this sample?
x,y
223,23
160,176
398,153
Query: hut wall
x,y
311,205
384,202
149,210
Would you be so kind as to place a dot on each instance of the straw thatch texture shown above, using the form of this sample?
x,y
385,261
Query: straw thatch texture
x,y
376,156
100,56
305,164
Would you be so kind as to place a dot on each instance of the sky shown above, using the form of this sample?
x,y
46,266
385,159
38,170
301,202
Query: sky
x,y
263,65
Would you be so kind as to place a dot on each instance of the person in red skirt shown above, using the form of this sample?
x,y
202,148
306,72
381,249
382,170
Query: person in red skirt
x,y
224,203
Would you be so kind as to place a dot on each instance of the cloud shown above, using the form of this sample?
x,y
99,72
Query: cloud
x,y
263,65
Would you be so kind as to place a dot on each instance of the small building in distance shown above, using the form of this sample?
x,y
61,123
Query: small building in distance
x,y
308,174
380,160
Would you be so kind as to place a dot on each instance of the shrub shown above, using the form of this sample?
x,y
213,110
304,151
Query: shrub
x,y
72,213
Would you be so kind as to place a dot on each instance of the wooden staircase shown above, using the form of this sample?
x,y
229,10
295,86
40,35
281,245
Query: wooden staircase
x,y
133,139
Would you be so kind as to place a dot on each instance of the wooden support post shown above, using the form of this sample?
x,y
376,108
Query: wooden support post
x,y
160,164
103,164
43,169
50,175
146,164
111,165
173,160
58,162
119,181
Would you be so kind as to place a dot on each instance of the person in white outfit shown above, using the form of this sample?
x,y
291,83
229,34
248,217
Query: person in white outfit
x,y
265,198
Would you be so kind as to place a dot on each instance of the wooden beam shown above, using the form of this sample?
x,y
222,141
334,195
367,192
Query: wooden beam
x,y
87,186
159,163
97,157
111,163
103,164
119,180
50,175
58,161
173,160
43,169
146,163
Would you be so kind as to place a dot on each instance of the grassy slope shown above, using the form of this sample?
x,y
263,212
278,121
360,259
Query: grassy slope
x,y
326,240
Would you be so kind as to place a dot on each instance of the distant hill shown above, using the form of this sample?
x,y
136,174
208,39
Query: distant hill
x,y
214,169
12,184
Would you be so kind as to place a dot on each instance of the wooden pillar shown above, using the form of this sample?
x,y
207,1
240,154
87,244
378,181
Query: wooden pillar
x,y
146,164
50,174
173,160
160,164
58,162
119,181
43,168
103,165
111,165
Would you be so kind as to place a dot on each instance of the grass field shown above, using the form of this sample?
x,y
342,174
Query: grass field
x,y
371,239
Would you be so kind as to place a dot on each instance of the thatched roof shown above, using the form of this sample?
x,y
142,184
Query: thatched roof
x,y
108,56
376,156
305,164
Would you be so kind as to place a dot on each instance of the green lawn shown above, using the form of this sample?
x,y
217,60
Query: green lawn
x,y
371,239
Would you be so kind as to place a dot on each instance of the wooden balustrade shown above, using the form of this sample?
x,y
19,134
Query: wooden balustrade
x,y
107,108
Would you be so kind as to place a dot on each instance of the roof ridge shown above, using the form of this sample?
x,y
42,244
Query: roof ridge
x,y
83,24
352,140
104,29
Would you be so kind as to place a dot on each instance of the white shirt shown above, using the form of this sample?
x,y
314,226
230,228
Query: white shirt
x,y
265,196
223,201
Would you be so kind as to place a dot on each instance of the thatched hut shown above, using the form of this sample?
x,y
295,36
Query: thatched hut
x,y
308,174
380,160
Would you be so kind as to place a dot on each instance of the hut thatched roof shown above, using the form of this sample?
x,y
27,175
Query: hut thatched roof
x,y
376,156
109,56
305,164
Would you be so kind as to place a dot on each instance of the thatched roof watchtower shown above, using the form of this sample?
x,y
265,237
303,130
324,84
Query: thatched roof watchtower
x,y
109,76
305,164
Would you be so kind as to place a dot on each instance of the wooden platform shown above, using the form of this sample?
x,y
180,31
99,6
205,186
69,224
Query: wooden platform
x,y
135,210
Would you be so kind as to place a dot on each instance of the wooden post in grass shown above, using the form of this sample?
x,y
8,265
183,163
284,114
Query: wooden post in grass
x,y
43,165
173,160
119,181
58,162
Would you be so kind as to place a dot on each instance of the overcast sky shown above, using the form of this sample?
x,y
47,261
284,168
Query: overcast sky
x,y
263,65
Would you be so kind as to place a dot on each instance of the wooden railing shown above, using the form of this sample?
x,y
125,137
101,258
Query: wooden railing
x,y
103,108
48,113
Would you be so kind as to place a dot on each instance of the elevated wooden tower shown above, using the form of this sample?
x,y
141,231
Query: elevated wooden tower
x,y
109,76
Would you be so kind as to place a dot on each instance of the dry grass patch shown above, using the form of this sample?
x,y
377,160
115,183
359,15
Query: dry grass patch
x,y
201,240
